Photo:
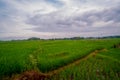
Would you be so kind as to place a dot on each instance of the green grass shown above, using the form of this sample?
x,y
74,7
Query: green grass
x,y
94,68
13,56
19,56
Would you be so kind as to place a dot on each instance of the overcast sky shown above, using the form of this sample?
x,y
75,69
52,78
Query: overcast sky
x,y
21,19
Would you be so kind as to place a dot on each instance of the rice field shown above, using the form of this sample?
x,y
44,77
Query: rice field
x,y
17,57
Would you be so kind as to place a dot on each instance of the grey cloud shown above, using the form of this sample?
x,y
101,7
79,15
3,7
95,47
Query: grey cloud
x,y
106,15
55,22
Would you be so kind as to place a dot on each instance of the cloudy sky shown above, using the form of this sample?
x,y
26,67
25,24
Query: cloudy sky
x,y
21,19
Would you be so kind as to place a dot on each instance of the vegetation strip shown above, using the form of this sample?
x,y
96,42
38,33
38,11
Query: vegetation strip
x,y
36,75
33,59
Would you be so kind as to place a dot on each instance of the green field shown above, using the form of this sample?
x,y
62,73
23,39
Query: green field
x,y
45,56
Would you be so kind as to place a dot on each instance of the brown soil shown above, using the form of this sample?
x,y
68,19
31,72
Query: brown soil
x,y
32,75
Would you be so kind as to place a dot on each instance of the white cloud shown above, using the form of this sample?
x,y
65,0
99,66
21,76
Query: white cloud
x,y
102,23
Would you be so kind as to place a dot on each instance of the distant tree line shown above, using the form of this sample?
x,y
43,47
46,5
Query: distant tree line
x,y
105,37
74,38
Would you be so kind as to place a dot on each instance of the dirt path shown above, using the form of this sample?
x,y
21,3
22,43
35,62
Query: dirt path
x,y
75,62
36,75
